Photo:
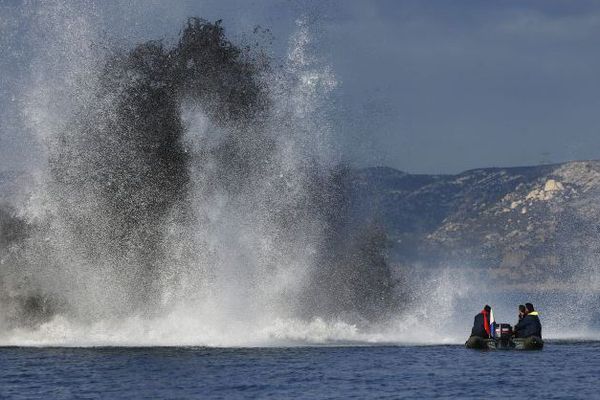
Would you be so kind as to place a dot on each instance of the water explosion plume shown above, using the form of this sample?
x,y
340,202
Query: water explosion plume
x,y
194,180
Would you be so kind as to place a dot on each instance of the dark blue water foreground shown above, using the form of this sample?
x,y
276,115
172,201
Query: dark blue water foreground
x,y
561,370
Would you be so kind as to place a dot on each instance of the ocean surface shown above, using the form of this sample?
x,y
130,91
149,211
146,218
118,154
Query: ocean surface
x,y
562,370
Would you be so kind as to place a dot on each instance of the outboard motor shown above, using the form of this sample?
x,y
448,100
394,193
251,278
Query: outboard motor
x,y
504,333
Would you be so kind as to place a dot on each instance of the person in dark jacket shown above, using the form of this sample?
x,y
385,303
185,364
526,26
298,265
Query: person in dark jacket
x,y
530,325
481,324
522,312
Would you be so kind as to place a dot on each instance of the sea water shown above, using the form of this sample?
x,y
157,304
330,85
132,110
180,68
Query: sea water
x,y
563,369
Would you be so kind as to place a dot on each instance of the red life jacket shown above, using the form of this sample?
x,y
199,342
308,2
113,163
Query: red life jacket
x,y
486,321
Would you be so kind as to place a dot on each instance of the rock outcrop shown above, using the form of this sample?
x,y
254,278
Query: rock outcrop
x,y
512,223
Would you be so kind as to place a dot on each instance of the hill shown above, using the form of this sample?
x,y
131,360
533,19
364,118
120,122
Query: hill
x,y
520,223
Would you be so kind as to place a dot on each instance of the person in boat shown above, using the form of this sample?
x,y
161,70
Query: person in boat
x,y
530,325
481,324
522,312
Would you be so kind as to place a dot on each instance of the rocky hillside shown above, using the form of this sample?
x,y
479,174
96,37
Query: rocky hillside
x,y
515,223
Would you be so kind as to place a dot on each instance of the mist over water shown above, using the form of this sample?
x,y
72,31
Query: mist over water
x,y
189,193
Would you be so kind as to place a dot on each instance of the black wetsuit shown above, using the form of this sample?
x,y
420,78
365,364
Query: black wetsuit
x,y
479,327
529,326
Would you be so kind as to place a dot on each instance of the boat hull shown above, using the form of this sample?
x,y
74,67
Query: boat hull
x,y
530,343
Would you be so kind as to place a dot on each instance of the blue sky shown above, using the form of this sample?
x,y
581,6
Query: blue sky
x,y
425,86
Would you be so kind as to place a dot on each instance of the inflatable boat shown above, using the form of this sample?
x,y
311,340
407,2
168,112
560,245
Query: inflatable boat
x,y
504,340
530,343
